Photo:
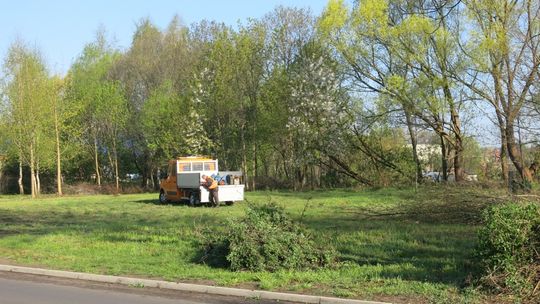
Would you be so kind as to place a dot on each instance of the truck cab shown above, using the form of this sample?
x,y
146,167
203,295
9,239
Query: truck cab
x,y
184,177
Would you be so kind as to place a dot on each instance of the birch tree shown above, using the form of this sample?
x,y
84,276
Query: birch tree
x,y
28,111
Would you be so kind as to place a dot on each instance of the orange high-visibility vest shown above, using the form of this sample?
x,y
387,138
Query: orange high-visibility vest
x,y
211,183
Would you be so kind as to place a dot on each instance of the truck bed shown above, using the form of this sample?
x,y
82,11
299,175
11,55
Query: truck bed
x,y
226,193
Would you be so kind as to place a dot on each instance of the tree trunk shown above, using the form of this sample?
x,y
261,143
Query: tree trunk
x,y
38,180
444,159
20,180
284,164
414,143
96,162
116,176
504,148
109,156
459,172
244,158
515,155
1,173
32,172
152,179
504,165
144,176
312,180
345,169
58,156
254,172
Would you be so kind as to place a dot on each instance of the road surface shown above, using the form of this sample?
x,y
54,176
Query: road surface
x,y
30,289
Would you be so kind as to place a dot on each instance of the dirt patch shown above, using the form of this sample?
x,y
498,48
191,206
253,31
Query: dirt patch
x,y
6,261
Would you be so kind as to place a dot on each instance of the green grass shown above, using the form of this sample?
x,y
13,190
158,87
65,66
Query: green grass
x,y
394,245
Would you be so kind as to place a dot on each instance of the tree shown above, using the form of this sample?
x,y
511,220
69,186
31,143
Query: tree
x,y
403,52
173,125
228,85
59,116
112,112
140,72
28,111
99,101
504,49
318,119
287,32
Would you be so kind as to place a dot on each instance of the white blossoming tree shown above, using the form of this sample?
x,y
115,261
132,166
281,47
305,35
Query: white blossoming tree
x,y
318,116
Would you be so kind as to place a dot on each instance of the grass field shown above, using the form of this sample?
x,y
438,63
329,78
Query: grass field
x,y
394,245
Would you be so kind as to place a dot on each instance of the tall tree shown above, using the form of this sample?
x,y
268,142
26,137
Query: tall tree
x,y
288,30
318,120
99,101
59,111
402,51
504,41
28,110
140,72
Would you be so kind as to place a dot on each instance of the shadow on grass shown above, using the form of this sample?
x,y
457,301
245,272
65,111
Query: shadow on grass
x,y
176,203
151,201
211,253
158,203
420,258
141,225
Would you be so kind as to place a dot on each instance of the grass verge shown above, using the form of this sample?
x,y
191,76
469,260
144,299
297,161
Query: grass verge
x,y
394,245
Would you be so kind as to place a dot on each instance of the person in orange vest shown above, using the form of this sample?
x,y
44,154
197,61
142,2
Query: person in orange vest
x,y
212,186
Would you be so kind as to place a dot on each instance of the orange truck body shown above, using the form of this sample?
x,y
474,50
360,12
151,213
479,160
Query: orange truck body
x,y
183,181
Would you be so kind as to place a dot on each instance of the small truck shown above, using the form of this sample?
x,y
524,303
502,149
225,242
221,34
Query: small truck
x,y
184,178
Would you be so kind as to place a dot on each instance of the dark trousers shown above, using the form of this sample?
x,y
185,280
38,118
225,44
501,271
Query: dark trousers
x,y
213,197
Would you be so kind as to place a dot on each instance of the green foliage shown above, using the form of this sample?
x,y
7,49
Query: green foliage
x,y
472,155
334,16
265,240
289,99
172,124
508,248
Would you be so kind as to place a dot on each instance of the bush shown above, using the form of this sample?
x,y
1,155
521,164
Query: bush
x,y
264,240
509,248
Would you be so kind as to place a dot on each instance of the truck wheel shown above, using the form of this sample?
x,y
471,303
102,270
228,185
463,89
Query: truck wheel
x,y
162,197
194,199
229,203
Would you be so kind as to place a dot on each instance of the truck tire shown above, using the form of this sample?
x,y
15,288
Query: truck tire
x,y
162,197
229,203
194,199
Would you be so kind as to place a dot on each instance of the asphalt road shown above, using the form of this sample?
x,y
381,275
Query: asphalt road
x,y
30,289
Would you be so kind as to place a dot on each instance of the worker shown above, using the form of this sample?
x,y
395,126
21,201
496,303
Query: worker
x,y
212,186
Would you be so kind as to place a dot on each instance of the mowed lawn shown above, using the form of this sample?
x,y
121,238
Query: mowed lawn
x,y
397,245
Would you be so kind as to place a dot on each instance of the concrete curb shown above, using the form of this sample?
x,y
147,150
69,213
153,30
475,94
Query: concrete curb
x,y
215,290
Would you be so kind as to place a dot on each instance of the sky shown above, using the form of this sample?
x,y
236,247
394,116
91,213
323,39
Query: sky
x,y
61,28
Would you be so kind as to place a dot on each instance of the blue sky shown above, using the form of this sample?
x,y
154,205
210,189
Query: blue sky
x,y
60,28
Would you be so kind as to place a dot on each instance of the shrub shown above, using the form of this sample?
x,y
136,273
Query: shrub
x,y
509,248
264,240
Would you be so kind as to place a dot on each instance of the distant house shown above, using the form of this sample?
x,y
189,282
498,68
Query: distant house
x,y
429,156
